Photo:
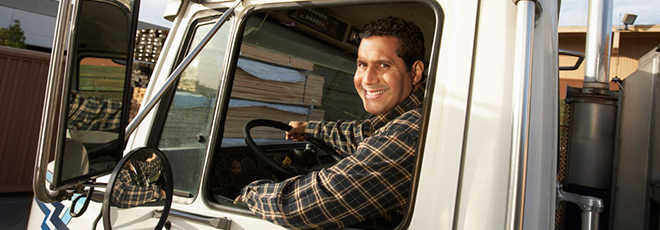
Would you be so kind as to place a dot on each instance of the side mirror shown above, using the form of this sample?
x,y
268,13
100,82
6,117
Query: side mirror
x,y
139,191
87,94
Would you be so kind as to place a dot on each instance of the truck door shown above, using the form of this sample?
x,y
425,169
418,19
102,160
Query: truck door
x,y
283,62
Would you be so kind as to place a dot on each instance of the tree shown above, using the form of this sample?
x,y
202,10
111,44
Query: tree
x,y
12,36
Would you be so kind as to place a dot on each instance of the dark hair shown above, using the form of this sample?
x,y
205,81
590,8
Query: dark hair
x,y
410,37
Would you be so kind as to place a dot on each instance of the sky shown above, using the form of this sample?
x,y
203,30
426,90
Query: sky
x,y
151,11
573,12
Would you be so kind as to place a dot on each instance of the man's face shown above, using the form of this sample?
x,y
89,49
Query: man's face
x,y
381,78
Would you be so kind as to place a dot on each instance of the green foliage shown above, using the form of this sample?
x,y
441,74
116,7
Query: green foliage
x,y
12,36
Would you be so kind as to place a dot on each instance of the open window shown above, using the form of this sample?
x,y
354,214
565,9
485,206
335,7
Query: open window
x,y
295,64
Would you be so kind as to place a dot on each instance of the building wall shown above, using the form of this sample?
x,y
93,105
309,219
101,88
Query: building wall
x,y
633,44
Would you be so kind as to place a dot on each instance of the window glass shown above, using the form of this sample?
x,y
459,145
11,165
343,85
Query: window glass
x,y
188,121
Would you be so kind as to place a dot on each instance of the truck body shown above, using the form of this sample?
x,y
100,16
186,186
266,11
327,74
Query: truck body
x,y
489,144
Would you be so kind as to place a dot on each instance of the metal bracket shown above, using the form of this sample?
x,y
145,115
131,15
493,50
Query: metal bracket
x,y
591,207
539,10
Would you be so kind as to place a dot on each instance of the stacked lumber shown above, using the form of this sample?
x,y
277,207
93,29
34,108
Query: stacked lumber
x,y
136,101
249,87
148,44
238,116
265,56
305,94
187,84
139,78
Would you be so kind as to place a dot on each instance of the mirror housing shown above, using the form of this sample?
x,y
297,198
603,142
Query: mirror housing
x,y
86,31
141,181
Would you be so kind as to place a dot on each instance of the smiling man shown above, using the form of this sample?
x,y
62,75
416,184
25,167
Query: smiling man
x,y
372,183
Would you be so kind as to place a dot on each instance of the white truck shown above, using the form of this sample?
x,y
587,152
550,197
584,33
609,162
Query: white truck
x,y
491,153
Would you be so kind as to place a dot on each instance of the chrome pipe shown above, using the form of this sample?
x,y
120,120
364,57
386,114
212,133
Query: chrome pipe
x,y
590,220
52,124
177,72
599,40
522,85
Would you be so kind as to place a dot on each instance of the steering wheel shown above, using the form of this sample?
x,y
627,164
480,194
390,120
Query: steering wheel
x,y
260,154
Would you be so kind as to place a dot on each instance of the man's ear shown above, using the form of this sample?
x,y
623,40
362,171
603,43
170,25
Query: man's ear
x,y
417,71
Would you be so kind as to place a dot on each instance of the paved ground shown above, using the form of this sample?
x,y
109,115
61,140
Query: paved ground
x,y
14,210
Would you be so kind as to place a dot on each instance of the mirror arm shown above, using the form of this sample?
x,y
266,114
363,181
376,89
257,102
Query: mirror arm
x,y
177,72
72,212
577,54
49,130
95,184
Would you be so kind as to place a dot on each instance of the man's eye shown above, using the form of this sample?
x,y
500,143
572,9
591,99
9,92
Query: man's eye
x,y
362,65
383,65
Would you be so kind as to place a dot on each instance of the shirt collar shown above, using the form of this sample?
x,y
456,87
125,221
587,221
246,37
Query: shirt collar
x,y
411,102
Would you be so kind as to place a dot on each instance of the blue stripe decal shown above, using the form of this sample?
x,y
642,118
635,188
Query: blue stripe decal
x,y
49,177
46,212
54,217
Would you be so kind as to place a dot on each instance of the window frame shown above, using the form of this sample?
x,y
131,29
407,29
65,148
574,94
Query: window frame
x,y
168,97
230,69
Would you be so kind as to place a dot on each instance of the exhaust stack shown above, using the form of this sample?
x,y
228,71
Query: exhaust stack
x,y
598,45
592,118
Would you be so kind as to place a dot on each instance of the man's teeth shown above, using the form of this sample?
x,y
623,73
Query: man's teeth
x,y
372,93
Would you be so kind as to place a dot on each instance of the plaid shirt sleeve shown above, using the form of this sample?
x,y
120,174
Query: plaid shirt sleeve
x,y
131,190
368,184
343,136
93,114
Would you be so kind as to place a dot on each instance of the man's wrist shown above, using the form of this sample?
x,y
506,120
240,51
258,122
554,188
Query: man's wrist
x,y
312,128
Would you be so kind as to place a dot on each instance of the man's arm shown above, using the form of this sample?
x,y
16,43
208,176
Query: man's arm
x,y
126,193
343,136
93,114
374,180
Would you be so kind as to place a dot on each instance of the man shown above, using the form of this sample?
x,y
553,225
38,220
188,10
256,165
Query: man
x,y
137,182
88,113
373,181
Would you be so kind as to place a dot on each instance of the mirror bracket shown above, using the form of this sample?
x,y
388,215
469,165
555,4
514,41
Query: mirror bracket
x,y
46,145
88,198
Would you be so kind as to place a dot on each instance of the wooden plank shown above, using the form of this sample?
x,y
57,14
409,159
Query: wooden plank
x,y
253,88
275,58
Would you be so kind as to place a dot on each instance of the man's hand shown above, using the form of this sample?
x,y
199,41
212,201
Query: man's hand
x,y
238,200
297,131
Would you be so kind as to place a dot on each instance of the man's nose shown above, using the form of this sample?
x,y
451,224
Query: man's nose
x,y
370,77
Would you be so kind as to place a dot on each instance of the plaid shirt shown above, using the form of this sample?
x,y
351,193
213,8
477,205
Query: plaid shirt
x,y
134,185
93,114
371,184
344,136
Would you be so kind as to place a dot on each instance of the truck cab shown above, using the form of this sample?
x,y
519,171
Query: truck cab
x,y
487,151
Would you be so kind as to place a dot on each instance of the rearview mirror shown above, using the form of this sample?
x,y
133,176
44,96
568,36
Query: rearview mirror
x,y
139,191
87,98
